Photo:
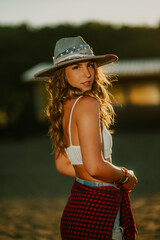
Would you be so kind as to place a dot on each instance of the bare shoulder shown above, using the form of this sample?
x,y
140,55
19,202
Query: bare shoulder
x,y
87,106
86,103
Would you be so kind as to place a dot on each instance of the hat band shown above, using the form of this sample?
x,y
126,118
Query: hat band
x,y
75,49
73,56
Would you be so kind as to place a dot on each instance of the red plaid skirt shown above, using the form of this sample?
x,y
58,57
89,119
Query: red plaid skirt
x,y
90,213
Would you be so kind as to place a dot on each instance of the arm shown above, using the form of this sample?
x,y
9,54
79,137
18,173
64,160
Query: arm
x,y
63,164
88,124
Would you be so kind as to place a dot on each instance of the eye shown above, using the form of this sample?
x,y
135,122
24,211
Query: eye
x,y
75,67
91,64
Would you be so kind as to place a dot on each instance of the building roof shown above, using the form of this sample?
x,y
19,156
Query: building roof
x,y
122,68
28,76
134,67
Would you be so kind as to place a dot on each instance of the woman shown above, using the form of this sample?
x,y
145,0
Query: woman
x,y
81,113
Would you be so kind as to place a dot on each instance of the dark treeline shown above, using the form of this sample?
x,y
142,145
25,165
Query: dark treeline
x,y
22,47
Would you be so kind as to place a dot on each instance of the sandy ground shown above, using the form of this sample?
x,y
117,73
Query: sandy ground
x,y
32,193
39,218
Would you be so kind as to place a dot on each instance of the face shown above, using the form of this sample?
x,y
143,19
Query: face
x,y
81,75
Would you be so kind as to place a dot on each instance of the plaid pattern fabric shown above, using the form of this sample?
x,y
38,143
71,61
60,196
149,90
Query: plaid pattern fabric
x,y
126,218
90,213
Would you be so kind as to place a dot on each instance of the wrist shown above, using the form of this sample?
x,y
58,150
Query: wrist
x,y
124,178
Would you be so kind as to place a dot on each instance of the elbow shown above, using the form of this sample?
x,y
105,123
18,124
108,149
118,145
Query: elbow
x,y
59,167
94,171
100,171
95,174
93,166
59,170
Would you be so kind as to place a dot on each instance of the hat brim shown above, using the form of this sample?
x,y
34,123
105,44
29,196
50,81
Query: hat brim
x,y
100,60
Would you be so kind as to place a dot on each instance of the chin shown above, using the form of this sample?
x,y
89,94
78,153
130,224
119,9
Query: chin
x,y
87,90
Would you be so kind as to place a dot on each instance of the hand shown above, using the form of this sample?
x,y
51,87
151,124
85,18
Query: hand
x,y
131,183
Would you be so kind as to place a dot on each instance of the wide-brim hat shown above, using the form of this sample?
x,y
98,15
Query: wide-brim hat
x,y
71,50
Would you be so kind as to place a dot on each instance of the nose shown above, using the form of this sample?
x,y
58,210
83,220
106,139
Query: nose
x,y
86,72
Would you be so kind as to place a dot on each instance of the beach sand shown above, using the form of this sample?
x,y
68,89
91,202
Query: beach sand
x,y
39,218
33,194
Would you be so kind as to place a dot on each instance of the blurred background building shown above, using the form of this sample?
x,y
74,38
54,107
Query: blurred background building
x,y
136,91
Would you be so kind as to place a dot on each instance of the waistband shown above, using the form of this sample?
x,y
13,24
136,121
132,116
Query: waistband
x,y
94,184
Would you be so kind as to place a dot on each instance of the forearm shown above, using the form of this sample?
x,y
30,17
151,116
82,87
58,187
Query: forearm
x,y
106,171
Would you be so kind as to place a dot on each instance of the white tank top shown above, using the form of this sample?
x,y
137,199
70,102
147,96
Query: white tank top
x,y
74,152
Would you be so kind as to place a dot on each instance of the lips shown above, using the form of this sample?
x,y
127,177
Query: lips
x,y
88,83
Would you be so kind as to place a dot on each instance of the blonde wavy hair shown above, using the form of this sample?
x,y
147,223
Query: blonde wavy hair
x,y
60,91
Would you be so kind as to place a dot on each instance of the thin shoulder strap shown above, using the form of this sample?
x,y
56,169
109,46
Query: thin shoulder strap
x,y
71,119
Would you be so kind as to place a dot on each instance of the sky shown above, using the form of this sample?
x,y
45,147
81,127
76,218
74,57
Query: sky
x,y
39,13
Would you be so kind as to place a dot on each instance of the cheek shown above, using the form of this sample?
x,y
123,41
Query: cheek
x,y
68,76
71,78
